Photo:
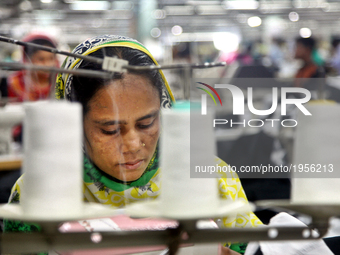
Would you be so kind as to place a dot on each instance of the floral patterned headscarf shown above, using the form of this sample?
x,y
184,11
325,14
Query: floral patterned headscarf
x,y
64,81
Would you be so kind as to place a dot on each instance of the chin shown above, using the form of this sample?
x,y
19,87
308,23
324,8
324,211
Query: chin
x,y
133,177
129,176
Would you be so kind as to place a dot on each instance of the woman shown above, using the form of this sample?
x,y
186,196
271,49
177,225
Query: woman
x,y
122,127
33,85
27,85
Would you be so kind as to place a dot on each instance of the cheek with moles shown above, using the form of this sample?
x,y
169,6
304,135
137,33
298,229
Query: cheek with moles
x,y
122,127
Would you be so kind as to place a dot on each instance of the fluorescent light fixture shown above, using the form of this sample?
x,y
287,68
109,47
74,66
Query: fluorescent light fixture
x,y
179,10
90,5
47,15
274,6
210,10
199,2
46,1
226,41
241,5
305,32
254,21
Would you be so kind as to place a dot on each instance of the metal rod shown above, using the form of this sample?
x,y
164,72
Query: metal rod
x,y
38,242
51,49
101,74
176,66
100,60
77,72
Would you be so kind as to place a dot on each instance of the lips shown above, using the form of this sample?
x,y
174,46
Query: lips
x,y
132,164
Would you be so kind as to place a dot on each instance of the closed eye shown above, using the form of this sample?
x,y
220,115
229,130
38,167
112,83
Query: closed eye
x,y
145,126
113,132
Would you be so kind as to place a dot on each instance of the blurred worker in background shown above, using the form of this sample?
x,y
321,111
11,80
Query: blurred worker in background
x,y
27,85
305,50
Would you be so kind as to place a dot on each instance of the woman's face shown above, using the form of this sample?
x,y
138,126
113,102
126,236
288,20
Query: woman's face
x,y
43,58
122,126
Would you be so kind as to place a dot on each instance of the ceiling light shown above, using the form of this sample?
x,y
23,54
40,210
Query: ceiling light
x,y
305,32
46,1
89,5
241,5
155,32
25,6
179,10
293,16
159,14
176,30
275,6
226,41
198,2
210,10
254,21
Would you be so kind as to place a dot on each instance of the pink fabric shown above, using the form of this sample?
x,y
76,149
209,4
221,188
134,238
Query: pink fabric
x,y
124,223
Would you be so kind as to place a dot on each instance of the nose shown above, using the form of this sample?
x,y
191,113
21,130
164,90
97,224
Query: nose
x,y
49,62
131,142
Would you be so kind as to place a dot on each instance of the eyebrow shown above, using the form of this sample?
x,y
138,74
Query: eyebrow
x,y
151,115
115,122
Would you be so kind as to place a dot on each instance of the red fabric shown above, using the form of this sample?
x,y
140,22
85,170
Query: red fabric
x,y
16,89
25,92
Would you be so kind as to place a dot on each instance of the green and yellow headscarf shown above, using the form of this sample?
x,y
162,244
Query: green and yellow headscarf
x,y
64,81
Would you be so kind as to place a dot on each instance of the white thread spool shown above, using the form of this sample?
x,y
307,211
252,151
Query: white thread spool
x,y
182,195
317,142
52,164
